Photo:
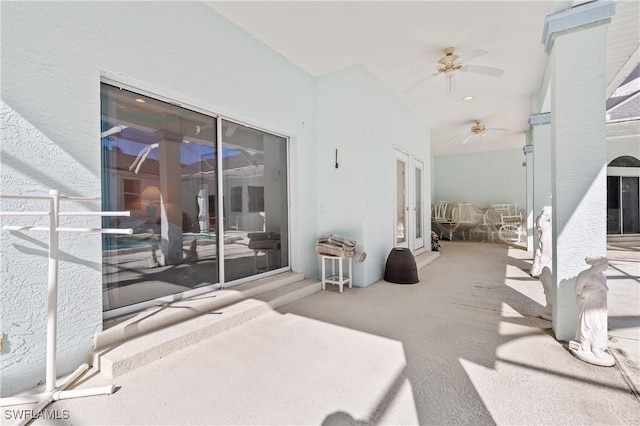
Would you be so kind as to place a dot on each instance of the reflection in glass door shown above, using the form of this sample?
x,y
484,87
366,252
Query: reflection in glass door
x,y
256,222
158,163
402,200
193,230
417,207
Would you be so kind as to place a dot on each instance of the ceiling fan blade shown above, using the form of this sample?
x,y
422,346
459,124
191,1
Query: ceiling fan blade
x,y
467,138
472,54
423,65
498,129
417,83
488,71
459,136
451,84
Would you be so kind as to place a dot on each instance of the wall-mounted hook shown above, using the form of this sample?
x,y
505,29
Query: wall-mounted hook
x,y
337,158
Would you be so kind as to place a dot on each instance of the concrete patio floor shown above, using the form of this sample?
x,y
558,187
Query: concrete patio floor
x,y
463,346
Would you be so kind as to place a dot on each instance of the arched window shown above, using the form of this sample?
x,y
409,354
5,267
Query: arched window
x,y
625,161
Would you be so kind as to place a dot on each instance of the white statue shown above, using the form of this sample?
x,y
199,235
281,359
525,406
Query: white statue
x,y
543,254
203,210
154,262
546,278
591,335
191,255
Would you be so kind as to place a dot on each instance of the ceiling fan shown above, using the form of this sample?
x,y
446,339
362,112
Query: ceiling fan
x,y
478,129
451,64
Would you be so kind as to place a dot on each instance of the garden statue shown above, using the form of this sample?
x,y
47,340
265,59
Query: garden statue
x,y
435,242
191,255
546,278
543,254
154,262
591,335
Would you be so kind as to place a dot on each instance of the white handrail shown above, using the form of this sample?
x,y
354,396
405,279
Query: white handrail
x,y
53,392
24,213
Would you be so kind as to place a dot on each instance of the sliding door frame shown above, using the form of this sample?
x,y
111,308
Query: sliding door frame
x,y
144,89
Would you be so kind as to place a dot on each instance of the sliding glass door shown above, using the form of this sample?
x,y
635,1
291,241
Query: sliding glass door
x,y
256,221
194,229
623,205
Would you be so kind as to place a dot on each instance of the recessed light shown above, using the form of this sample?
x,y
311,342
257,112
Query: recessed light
x,y
467,98
140,100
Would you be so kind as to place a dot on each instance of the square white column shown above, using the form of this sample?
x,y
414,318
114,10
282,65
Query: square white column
x,y
579,152
529,213
541,173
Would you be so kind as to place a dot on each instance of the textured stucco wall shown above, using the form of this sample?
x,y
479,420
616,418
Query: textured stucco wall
x,y
340,126
629,145
541,173
28,158
53,57
579,153
365,122
390,125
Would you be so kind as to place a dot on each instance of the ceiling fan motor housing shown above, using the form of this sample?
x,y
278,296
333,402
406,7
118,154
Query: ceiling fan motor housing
x,y
448,62
478,128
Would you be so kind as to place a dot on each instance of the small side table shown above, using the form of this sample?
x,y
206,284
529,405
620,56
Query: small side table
x,y
340,280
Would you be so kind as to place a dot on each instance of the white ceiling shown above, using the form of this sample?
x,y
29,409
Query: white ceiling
x,y
389,37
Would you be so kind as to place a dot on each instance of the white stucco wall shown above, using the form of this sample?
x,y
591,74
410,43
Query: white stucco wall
x,y
340,125
28,157
620,146
363,120
53,56
390,125
482,178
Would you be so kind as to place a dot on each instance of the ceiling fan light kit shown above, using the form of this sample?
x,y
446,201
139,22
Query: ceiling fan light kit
x,y
450,63
478,129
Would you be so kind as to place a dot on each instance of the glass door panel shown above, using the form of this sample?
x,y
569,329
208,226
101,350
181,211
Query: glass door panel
x,y
630,205
623,205
159,163
417,208
402,204
255,201
613,205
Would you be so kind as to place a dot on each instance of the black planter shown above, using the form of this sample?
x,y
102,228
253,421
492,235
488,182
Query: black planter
x,y
401,267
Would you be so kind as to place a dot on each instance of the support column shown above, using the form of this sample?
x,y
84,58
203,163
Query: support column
x,y
541,137
577,44
529,212
171,197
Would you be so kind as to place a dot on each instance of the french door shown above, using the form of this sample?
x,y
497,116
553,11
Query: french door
x,y
402,200
409,202
418,210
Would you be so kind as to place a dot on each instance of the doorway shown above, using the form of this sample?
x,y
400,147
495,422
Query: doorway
x,y
409,224
418,210
623,196
208,201
623,205
402,200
